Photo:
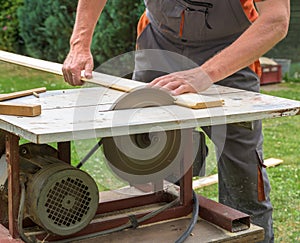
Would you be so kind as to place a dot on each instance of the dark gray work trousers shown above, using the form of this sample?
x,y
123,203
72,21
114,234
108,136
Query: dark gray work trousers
x,y
184,35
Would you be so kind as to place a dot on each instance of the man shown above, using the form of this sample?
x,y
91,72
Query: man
x,y
225,39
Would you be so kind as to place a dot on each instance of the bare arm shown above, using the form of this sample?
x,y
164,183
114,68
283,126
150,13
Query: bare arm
x,y
261,36
79,57
270,27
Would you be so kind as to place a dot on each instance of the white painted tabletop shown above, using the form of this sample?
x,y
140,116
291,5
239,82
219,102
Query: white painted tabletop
x,y
83,113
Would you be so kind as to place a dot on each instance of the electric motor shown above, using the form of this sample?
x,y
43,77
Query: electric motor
x,y
59,198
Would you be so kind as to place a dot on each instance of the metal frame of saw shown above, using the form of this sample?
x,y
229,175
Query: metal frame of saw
x,y
183,209
157,197
211,211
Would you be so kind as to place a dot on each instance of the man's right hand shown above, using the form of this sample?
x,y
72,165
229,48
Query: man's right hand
x,y
75,62
80,57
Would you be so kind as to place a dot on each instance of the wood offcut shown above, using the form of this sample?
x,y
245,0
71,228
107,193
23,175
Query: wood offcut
x,y
20,110
22,93
16,109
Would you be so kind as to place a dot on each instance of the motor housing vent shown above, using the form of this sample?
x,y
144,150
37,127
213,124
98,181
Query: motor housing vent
x,y
61,199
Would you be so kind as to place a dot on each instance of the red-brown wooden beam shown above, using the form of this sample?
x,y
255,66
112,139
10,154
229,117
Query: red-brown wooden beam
x,y
64,151
12,158
186,186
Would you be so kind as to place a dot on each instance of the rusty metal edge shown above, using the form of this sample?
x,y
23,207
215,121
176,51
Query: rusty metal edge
x,y
222,215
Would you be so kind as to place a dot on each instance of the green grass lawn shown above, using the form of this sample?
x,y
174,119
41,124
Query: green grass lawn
x,y
14,78
282,141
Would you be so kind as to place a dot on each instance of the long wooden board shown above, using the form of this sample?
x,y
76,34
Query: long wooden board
x,y
20,110
195,101
21,93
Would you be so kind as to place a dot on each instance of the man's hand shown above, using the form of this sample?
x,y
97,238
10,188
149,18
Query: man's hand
x,y
74,64
80,58
190,81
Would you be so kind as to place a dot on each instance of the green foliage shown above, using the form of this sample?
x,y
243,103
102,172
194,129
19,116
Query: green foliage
x,y
294,75
291,79
46,26
115,33
289,47
9,26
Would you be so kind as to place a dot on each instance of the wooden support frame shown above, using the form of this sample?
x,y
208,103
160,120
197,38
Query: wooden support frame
x,y
183,209
12,158
100,221
64,150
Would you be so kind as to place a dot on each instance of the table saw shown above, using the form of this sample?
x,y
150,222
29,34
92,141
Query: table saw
x,y
49,183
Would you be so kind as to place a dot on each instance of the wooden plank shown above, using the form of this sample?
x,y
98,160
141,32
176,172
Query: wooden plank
x,y
113,82
195,101
205,181
30,62
21,93
271,162
213,179
105,80
170,231
20,110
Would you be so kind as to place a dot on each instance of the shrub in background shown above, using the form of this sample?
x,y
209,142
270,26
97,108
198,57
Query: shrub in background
x,y
10,39
46,26
115,33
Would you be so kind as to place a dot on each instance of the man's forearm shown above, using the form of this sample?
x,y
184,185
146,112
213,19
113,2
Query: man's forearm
x,y
88,12
262,35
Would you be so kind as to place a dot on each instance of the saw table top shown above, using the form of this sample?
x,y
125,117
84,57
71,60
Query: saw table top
x,y
83,113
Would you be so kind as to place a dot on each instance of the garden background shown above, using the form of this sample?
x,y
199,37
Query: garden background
x,y
42,28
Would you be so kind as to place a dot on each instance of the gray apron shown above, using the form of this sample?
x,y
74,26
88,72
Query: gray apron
x,y
187,33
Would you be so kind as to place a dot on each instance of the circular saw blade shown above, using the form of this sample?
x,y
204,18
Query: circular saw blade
x,y
142,158
143,97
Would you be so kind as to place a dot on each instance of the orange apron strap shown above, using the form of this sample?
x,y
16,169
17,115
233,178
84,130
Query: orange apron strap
x,y
255,67
252,14
143,22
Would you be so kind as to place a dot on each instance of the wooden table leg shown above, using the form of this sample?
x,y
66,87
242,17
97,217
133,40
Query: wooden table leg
x,y
64,151
186,186
12,158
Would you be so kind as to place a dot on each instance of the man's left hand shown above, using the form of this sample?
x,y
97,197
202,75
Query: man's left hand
x,y
189,81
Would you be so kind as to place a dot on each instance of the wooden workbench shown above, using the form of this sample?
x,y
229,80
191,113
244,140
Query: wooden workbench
x,y
84,113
